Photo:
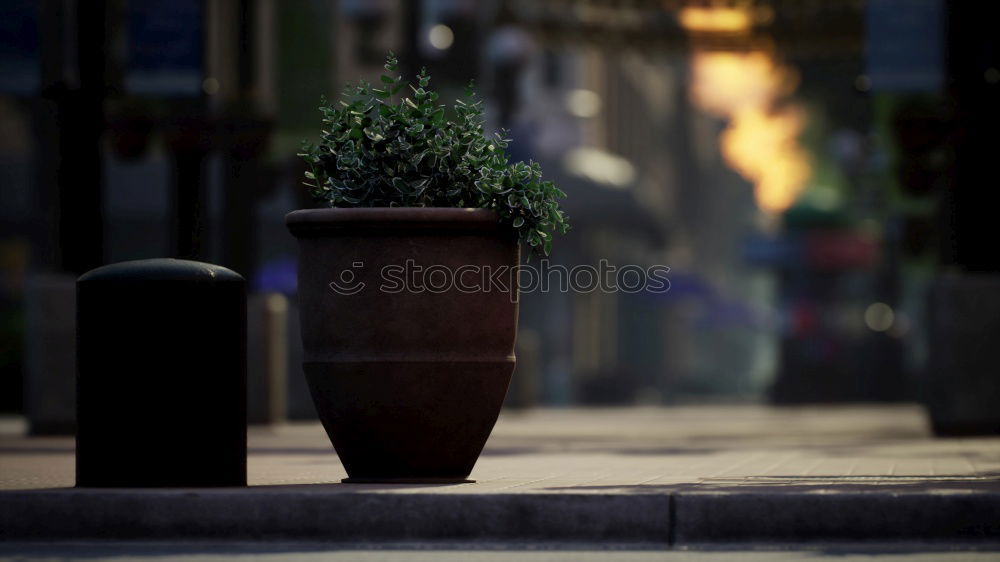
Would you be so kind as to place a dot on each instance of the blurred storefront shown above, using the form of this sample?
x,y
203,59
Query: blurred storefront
x,y
789,161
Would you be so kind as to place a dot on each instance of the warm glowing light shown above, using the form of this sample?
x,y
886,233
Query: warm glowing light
x,y
210,86
725,83
441,36
879,317
599,166
763,148
716,19
583,103
761,141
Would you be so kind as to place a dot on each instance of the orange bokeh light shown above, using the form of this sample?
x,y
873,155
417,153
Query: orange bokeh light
x,y
704,19
761,140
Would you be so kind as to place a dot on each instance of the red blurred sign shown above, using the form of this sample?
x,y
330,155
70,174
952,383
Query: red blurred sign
x,y
832,250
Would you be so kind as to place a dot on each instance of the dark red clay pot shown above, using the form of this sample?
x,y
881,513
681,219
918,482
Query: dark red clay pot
x,y
408,383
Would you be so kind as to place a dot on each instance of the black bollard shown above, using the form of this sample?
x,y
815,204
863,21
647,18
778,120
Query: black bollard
x,y
161,375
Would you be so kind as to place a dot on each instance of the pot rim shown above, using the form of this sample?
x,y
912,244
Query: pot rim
x,y
312,221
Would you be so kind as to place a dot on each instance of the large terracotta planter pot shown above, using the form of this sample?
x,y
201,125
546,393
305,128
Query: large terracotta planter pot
x,y
407,382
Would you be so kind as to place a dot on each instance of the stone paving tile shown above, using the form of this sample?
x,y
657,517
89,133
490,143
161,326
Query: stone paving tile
x,y
645,450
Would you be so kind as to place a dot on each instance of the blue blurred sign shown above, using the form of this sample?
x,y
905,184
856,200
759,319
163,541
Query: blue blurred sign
x,y
20,71
165,47
769,251
905,45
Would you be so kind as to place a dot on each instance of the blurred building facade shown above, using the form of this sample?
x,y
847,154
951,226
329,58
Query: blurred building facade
x,y
768,152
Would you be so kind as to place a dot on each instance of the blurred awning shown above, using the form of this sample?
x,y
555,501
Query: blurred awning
x,y
591,204
830,27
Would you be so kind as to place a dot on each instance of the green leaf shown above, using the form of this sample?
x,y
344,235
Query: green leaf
x,y
391,62
412,153
400,185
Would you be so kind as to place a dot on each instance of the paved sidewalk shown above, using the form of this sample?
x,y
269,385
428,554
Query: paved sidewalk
x,y
258,552
683,476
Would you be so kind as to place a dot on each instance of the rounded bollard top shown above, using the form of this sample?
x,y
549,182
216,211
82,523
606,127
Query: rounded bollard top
x,y
160,269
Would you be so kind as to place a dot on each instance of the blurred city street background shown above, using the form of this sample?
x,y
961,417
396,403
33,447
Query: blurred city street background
x,y
808,171
816,175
